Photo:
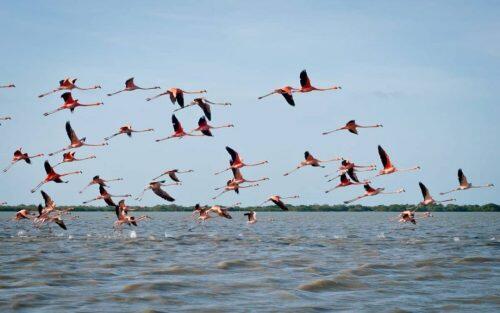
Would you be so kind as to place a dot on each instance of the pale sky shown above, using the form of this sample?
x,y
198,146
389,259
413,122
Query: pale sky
x,y
428,71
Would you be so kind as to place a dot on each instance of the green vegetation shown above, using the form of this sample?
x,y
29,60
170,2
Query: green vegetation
x,y
491,207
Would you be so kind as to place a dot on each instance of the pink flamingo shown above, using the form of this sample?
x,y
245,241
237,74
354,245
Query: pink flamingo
x,y
20,156
127,129
71,104
155,186
176,95
232,186
389,168
311,161
173,174
306,86
205,128
68,84
106,196
369,191
130,86
278,200
344,182
428,200
237,161
178,130
286,92
52,176
70,157
96,180
204,104
464,184
75,141
352,127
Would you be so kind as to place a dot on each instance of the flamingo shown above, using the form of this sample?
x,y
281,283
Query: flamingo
x,y
203,212
44,212
19,156
251,216
71,104
127,129
286,92
306,86
230,185
178,130
464,184
44,217
8,86
350,168
70,157
96,180
204,127
5,118
130,86
122,217
389,168
155,186
239,179
344,182
68,84
52,176
369,191
352,127
278,200
106,196
222,211
407,216
23,214
428,200
176,95
311,161
237,161
75,141
204,104
173,174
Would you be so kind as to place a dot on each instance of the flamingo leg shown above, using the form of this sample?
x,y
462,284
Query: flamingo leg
x,y
258,163
55,111
91,200
59,151
35,156
355,199
115,93
96,145
194,92
139,198
220,194
143,130
10,165
88,88
48,93
114,135
191,104
227,169
157,96
70,173
267,95
91,104
215,103
166,138
295,169
222,126
447,192
38,186
329,88
84,188
331,131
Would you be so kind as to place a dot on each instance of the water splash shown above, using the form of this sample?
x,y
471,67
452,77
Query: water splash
x,y
133,234
456,239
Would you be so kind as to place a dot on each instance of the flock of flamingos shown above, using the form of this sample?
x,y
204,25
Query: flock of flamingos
x,y
346,172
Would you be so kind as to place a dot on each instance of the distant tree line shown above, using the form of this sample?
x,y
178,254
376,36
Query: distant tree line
x,y
491,207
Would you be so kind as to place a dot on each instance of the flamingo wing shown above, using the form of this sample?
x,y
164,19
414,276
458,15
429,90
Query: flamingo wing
x,y
173,176
206,109
288,97
202,123
180,98
343,179
67,97
425,191
280,204
47,199
304,80
308,156
384,158
71,133
163,194
48,169
177,124
40,210
60,223
234,155
462,179
129,83
351,126
352,174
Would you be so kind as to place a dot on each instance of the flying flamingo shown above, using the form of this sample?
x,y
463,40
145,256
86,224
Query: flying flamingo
x,y
173,174
70,157
176,95
350,168
75,141
369,191
106,196
389,168
344,182
277,200
205,128
306,86
130,86
52,176
19,156
428,200
203,212
204,104
71,104
8,86
230,186
286,92
5,118
464,184
23,214
46,217
96,180
155,186
178,130
68,84
237,161
352,127
311,161
239,179
127,129
222,211
44,212
251,216
122,217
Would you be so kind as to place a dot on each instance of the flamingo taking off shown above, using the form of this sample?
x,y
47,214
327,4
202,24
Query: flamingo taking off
x,y
464,184
130,86
237,161
96,180
20,156
155,186
305,84
178,130
277,200
23,214
176,95
75,141
286,92
123,218
68,84
309,160
352,127
8,86
389,168
173,174
46,217
230,186
205,128
127,129
428,200
106,196
222,211
370,191
46,212
69,157
52,176
251,216
203,213
71,104
239,179
204,104
344,182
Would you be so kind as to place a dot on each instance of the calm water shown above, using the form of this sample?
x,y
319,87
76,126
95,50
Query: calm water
x,y
287,262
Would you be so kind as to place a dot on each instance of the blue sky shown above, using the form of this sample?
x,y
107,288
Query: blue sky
x,y
428,71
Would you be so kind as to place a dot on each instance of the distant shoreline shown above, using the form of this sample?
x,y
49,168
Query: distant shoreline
x,y
491,207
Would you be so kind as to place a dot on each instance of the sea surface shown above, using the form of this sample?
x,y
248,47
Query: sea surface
x,y
286,262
